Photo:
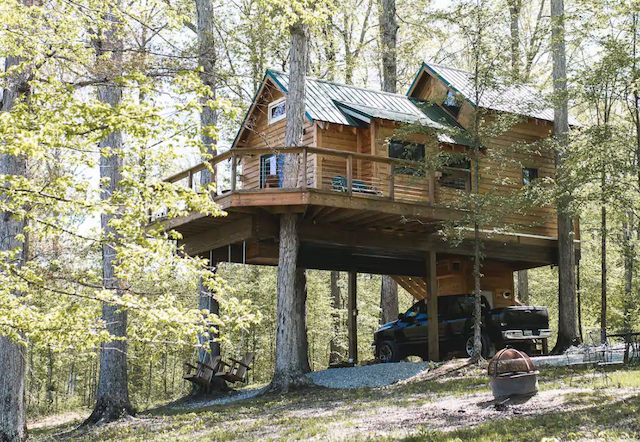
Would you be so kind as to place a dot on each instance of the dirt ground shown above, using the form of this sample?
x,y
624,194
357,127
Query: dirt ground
x,y
452,402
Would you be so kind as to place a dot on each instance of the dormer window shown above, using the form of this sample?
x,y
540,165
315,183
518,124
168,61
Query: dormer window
x,y
452,103
277,110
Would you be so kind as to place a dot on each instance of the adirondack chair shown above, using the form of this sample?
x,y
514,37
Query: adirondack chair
x,y
236,371
203,373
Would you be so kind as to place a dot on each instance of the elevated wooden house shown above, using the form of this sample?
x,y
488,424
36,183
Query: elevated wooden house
x,y
365,200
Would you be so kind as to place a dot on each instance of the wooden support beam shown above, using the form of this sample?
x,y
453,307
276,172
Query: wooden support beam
x,y
432,307
244,229
352,320
304,168
233,172
349,175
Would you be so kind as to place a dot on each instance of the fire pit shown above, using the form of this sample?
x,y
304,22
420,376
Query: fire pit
x,y
512,373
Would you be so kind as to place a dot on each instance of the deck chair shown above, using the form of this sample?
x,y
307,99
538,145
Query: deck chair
x,y
236,371
203,373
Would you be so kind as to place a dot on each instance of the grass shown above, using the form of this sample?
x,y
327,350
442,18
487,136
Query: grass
x,y
413,411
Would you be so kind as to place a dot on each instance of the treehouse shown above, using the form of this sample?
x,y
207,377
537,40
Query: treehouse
x,y
366,201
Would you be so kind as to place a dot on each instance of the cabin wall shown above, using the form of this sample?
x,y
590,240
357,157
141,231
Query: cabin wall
x,y
501,174
258,133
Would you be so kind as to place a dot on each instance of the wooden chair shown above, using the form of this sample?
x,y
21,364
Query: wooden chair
x,y
236,371
203,373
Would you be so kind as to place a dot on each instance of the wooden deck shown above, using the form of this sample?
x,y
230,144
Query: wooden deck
x,y
341,227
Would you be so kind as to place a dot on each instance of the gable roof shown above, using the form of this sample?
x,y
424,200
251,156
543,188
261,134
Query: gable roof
x,y
515,99
355,106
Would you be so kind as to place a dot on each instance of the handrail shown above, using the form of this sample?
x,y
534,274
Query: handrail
x,y
394,187
290,150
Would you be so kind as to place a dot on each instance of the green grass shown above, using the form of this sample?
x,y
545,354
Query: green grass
x,y
369,414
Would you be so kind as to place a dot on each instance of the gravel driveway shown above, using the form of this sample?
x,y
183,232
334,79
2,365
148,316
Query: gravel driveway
x,y
379,375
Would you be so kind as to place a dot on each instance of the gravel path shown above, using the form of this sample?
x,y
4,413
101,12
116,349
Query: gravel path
x,y
379,375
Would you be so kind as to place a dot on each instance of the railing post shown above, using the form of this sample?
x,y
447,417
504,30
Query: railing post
x,y
304,167
349,175
391,181
190,180
432,187
233,172
214,179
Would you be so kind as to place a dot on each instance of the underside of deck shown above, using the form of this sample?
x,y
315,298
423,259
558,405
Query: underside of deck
x,y
346,233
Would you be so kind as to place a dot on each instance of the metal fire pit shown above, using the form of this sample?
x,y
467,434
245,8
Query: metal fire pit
x,y
512,373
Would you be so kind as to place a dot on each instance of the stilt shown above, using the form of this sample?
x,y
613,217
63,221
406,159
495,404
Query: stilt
x,y
432,307
352,319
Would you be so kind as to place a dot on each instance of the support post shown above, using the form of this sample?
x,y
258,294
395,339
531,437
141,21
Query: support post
x,y
391,181
304,168
352,320
432,307
233,172
432,188
349,174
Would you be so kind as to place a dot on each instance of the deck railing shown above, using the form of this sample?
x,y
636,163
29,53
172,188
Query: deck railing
x,y
355,174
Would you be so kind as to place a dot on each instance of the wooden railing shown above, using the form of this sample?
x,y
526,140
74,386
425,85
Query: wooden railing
x,y
244,169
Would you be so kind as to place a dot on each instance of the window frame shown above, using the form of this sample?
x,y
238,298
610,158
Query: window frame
x,y
406,170
274,104
452,103
529,179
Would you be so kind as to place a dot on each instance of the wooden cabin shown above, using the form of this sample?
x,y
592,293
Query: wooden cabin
x,y
366,202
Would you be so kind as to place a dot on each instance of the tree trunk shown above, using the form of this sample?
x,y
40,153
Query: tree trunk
x,y
628,251
388,300
208,120
388,39
112,397
49,391
301,310
603,265
515,7
567,323
291,365
335,354
13,355
523,286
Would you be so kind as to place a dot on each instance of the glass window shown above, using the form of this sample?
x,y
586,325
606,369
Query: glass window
x,y
406,151
529,174
457,179
452,103
277,110
419,308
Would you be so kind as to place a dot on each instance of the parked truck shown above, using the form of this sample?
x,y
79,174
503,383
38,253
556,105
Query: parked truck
x,y
522,327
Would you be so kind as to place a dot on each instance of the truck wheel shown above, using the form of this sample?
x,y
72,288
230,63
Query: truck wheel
x,y
487,347
388,352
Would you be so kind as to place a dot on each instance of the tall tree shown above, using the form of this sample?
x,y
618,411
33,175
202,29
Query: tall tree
x,y
13,365
291,364
388,43
112,396
335,352
567,315
208,121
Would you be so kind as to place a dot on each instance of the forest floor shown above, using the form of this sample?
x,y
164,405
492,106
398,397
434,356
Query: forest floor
x,y
450,403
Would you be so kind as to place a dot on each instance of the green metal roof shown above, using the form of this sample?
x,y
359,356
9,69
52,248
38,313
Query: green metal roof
x,y
353,106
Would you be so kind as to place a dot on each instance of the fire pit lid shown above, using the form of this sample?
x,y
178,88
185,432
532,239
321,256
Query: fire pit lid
x,y
510,361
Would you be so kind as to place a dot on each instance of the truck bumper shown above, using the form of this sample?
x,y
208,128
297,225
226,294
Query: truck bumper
x,y
522,335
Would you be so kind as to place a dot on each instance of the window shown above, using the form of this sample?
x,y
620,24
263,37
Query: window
x,y
529,174
456,174
419,308
452,103
270,171
277,110
406,151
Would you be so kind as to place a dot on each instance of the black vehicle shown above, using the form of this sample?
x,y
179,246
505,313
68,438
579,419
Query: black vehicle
x,y
521,327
